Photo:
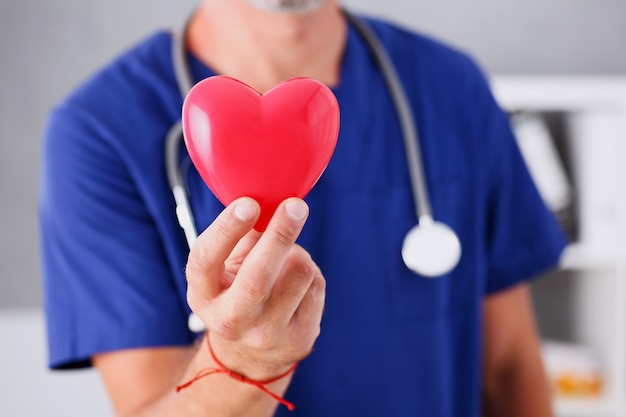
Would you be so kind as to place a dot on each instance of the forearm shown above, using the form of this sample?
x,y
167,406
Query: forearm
x,y
520,391
261,297
216,394
514,381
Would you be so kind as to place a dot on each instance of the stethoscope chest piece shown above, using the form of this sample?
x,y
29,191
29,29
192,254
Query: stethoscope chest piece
x,y
431,249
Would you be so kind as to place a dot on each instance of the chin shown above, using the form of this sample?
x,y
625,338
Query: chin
x,y
287,6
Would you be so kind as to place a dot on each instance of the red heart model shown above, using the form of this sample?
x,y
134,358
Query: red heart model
x,y
267,146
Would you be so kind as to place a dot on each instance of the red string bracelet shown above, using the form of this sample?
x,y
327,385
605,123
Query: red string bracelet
x,y
234,375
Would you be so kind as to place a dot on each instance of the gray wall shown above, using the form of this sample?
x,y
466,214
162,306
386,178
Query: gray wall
x,y
48,46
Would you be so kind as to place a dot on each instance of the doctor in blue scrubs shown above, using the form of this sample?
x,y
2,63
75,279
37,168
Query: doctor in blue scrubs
x,y
325,287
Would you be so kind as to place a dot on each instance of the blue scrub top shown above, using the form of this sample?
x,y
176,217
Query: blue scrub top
x,y
392,343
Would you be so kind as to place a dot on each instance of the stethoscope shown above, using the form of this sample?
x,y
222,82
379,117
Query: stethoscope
x,y
430,248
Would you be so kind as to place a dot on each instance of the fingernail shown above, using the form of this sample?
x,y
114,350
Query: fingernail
x,y
245,210
296,209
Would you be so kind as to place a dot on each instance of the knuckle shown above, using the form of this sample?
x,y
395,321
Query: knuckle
x,y
284,236
317,294
319,284
222,230
254,289
302,269
302,264
200,260
300,254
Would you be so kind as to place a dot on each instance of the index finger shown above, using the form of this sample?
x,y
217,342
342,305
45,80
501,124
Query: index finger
x,y
215,244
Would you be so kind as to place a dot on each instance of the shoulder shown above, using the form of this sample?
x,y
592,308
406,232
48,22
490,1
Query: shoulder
x,y
136,84
134,70
439,79
410,48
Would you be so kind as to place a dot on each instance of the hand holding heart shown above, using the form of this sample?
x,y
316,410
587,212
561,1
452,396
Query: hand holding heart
x,y
260,295
266,146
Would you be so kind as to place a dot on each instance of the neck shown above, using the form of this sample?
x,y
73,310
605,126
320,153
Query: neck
x,y
263,48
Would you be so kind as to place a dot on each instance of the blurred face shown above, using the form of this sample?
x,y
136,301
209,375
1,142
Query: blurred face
x,y
287,6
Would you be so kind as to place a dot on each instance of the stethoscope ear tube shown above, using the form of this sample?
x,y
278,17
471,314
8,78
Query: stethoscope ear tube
x,y
184,80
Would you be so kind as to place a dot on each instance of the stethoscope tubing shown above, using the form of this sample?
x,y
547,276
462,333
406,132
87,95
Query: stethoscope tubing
x,y
178,185
423,209
405,117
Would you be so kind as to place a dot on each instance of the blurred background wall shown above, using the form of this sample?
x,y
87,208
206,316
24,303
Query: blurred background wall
x,y
47,47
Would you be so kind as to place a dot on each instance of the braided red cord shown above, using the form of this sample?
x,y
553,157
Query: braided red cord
x,y
234,375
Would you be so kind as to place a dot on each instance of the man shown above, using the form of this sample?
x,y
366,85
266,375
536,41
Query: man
x,y
389,343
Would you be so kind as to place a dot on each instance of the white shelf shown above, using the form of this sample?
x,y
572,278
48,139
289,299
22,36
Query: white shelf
x,y
588,408
578,256
560,93
593,111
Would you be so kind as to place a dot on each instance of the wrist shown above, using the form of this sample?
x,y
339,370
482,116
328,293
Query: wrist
x,y
230,356
261,384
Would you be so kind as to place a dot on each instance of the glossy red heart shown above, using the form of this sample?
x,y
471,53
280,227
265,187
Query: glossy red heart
x,y
267,146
